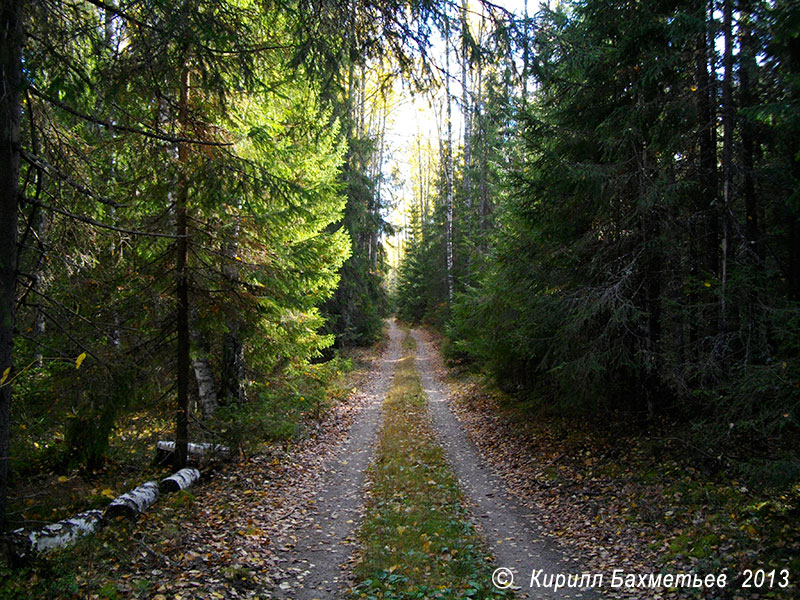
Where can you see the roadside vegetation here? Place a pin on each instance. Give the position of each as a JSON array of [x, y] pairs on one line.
[[625, 245], [289, 416], [51, 484], [620, 497]]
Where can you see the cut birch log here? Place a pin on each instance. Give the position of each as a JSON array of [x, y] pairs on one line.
[[179, 480], [164, 450], [23, 544], [132, 503]]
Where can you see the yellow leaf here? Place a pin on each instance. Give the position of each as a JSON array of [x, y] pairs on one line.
[[108, 493], [707, 284], [79, 360], [63, 479], [6, 373]]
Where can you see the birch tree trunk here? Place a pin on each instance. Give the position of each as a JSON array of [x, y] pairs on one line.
[[204, 375], [374, 231], [133, 503], [232, 384], [704, 245], [179, 480], [421, 171], [21, 544], [449, 165], [165, 449], [748, 79], [525, 55], [37, 222], [466, 108], [484, 154]]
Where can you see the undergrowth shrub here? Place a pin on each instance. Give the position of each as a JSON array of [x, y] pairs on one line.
[[281, 408]]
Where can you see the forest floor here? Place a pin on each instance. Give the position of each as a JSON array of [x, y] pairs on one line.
[[232, 536], [286, 524]]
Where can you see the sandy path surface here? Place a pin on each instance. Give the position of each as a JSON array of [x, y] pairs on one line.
[[314, 555], [317, 552], [511, 531]]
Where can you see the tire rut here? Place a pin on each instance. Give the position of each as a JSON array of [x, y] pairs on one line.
[[512, 532], [317, 551]]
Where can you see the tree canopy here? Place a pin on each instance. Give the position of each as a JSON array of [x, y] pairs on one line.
[[626, 225]]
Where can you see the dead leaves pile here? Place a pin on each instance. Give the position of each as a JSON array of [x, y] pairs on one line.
[[585, 513], [599, 504]]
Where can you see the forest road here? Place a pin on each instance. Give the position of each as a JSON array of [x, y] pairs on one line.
[[510, 531], [319, 549], [315, 554]]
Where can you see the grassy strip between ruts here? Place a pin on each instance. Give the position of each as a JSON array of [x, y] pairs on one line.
[[417, 539]]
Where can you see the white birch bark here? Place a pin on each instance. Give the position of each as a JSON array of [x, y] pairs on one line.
[[28, 543], [195, 450], [180, 480], [449, 165], [133, 503]]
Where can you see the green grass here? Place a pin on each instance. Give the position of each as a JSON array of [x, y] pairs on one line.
[[417, 539]]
